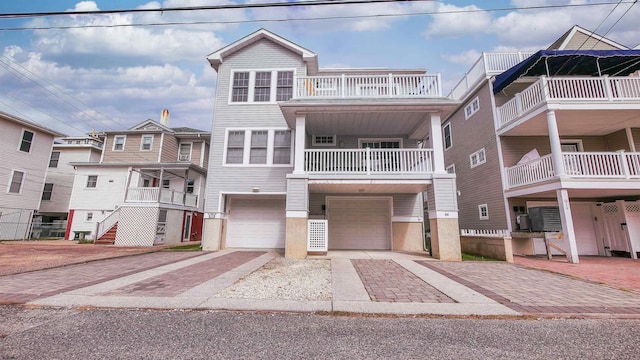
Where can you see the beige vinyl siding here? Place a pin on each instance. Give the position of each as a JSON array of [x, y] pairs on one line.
[[481, 184], [169, 149], [196, 150], [635, 132], [514, 147], [131, 152], [403, 204], [33, 164], [206, 156], [617, 141], [263, 54], [582, 41]]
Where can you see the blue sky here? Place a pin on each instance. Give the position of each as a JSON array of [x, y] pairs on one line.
[[117, 77]]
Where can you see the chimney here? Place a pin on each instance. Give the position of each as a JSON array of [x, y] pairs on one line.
[[164, 117]]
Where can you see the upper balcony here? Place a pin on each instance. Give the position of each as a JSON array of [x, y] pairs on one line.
[[573, 90], [368, 86], [487, 65]]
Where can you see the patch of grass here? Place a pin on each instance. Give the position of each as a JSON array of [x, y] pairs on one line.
[[469, 257], [85, 241], [189, 247]]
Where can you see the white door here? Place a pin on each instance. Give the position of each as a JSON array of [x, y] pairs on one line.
[[359, 223], [256, 223], [613, 227], [584, 229]]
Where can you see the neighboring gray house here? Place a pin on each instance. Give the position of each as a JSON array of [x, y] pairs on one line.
[[557, 127], [25, 148], [310, 159]]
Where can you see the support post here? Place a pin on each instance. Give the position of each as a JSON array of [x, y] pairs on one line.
[[556, 147], [437, 144], [567, 225], [299, 145]]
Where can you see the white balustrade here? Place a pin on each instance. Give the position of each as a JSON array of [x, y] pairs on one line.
[[485, 233], [190, 200], [596, 165], [107, 223], [574, 88], [367, 86], [166, 196], [368, 161], [142, 194]]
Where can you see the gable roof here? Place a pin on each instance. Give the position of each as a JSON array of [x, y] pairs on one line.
[[27, 123], [217, 57], [564, 41], [145, 125]]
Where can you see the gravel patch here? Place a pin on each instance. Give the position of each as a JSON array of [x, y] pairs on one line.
[[285, 279]]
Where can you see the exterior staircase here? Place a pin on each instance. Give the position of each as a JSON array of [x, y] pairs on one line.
[[109, 238]]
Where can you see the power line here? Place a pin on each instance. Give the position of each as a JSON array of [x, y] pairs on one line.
[[173, 23], [200, 8]]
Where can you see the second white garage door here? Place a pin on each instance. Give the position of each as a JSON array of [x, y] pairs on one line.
[[357, 223], [256, 223]]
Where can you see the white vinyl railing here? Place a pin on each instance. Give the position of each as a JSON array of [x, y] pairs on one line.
[[485, 233], [368, 86], [165, 196], [606, 165], [487, 64], [530, 172], [102, 227], [368, 161], [569, 89]]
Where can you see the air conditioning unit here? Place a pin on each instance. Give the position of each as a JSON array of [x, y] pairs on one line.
[[523, 221], [545, 218]]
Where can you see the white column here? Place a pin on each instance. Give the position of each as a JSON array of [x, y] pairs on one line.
[[299, 145], [437, 144], [632, 144], [567, 225], [556, 148]]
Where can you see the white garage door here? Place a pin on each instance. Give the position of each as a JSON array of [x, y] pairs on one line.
[[256, 223], [359, 223]]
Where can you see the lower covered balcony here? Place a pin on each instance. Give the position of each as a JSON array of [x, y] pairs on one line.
[[592, 166], [160, 195], [368, 161]]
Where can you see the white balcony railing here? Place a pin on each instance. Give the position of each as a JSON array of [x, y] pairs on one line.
[[107, 223], [368, 161], [596, 165], [487, 64], [166, 196], [569, 89], [369, 86]]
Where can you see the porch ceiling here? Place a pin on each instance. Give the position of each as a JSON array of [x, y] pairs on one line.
[[591, 194], [369, 123], [580, 123], [366, 187]]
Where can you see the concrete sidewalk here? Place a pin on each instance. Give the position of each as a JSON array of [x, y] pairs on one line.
[[377, 282]]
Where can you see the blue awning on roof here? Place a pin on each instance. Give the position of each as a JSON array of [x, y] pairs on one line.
[[571, 62]]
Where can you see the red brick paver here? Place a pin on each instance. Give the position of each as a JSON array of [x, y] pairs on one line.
[[25, 287], [178, 281], [386, 281], [533, 291], [622, 273]]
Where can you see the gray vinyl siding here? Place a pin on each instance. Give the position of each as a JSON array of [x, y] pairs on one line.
[[403, 204], [263, 54], [297, 194], [481, 184], [352, 141]]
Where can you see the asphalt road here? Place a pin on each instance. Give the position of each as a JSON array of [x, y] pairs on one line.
[[140, 334]]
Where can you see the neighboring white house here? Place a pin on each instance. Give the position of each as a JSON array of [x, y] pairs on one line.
[[146, 189], [51, 219], [546, 144], [25, 149], [310, 159]]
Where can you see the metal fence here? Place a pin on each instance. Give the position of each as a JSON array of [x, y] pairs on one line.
[[15, 223]]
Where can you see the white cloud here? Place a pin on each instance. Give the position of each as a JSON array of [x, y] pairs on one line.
[[452, 24], [465, 58]]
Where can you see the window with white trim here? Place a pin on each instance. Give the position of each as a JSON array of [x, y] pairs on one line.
[[258, 147], [17, 179], [324, 140], [89, 216], [472, 108], [26, 141], [48, 190], [92, 181], [184, 152], [190, 185], [118, 142], [477, 158], [451, 169], [483, 212], [166, 183], [53, 160], [446, 136], [146, 143], [261, 86]]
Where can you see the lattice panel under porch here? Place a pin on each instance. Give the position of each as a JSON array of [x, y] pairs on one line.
[[317, 235], [137, 226], [610, 208]]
